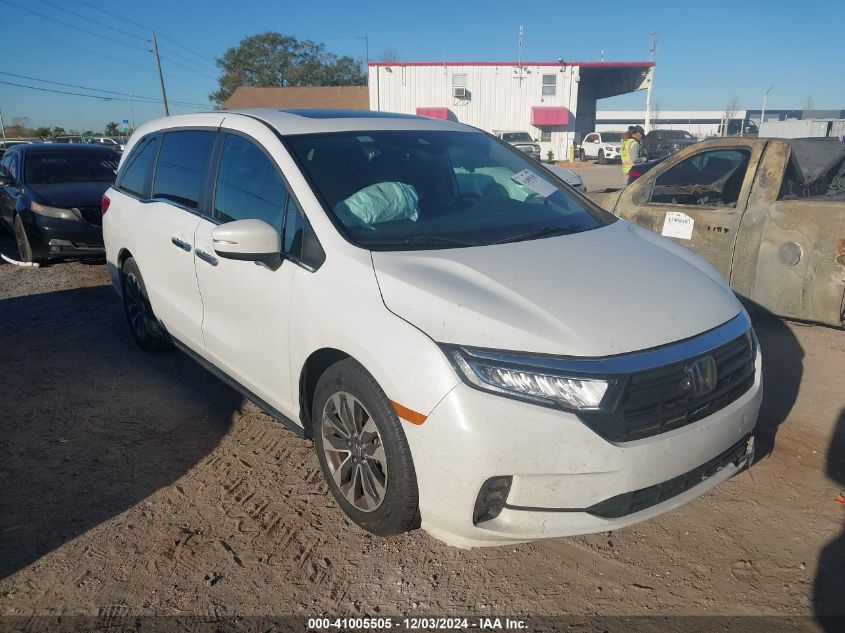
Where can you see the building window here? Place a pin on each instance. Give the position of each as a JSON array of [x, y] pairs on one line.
[[549, 85], [459, 86], [545, 135]]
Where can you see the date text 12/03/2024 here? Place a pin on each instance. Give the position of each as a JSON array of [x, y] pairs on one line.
[[417, 623]]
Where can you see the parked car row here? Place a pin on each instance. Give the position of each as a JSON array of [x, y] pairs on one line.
[[606, 147]]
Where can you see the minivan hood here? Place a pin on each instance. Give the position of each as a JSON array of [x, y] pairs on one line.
[[608, 291], [70, 194]]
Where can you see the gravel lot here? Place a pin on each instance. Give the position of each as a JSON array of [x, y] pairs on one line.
[[136, 484]]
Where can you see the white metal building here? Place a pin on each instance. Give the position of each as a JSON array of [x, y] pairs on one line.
[[555, 102]]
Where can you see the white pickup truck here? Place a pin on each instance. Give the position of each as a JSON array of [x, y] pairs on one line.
[[521, 141], [601, 146]]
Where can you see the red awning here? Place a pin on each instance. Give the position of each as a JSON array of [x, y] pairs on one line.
[[434, 113], [541, 115]]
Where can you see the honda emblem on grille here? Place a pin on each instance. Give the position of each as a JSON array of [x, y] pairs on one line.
[[702, 375]]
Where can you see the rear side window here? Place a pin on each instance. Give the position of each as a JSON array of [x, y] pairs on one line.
[[249, 185], [182, 164], [136, 173]]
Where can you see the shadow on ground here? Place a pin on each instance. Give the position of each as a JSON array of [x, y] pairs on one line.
[[829, 588], [90, 425], [783, 360]]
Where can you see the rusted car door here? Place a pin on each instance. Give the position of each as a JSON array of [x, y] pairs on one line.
[[697, 197], [790, 254]]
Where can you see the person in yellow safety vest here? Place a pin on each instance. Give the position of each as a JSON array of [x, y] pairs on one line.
[[632, 152]]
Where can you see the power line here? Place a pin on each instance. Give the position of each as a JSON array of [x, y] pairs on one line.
[[89, 19], [146, 28], [79, 94], [193, 70], [99, 54], [169, 51], [113, 92], [72, 26]]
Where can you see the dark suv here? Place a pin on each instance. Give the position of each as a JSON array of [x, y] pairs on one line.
[[659, 143]]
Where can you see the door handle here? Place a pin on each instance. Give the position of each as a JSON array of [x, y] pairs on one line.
[[206, 257], [181, 244]]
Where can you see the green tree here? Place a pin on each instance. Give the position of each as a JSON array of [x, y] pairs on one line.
[[58, 131], [112, 129], [42, 132], [273, 59]]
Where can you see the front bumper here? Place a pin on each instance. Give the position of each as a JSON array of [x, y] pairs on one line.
[[560, 468], [52, 238]]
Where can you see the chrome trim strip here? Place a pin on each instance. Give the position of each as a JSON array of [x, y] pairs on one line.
[[622, 363]]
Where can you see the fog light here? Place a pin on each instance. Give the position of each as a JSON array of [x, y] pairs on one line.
[[491, 498], [55, 249]]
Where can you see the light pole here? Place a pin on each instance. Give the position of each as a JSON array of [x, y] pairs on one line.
[[765, 96]]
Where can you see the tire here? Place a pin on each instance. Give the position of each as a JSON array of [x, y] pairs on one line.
[[22, 240], [602, 159], [363, 452], [143, 324], [581, 156]]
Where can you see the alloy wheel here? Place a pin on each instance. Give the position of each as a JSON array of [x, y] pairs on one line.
[[136, 307], [354, 451]]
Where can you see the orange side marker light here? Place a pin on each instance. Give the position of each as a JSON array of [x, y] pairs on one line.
[[408, 414]]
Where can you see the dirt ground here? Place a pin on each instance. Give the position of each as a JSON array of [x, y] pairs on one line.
[[136, 484]]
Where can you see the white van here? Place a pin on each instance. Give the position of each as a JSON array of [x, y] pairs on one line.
[[473, 346]]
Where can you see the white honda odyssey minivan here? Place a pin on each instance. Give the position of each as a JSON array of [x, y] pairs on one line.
[[473, 346]]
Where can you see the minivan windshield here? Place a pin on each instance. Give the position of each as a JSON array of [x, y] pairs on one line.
[[416, 189], [44, 168]]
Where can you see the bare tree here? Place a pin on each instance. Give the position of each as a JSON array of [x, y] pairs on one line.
[[730, 114], [390, 55], [809, 104]]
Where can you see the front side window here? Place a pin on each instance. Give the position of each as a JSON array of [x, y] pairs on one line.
[[549, 85], [407, 190], [182, 164], [55, 167], [249, 185], [710, 179], [136, 174]]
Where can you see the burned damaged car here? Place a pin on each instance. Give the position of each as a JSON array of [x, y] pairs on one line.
[[769, 214]]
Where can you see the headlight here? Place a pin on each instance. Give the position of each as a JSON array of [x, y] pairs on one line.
[[524, 377], [609, 149], [54, 212]]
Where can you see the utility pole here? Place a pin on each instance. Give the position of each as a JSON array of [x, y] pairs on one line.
[[3, 128], [763, 112], [160, 76], [366, 55], [648, 96]]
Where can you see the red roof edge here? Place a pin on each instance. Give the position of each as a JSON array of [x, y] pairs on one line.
[[587, 64]]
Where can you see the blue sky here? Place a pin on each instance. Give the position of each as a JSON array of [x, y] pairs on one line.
[[708, 52]]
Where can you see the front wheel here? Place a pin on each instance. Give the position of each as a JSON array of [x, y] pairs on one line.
[[363, 451], [22, 241], [602, 159]]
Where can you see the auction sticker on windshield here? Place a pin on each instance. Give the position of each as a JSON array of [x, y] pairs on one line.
[[528, 178], [678, 225]]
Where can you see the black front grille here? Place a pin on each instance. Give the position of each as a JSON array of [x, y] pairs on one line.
[[658, 400], [631, 502], [92, 215]]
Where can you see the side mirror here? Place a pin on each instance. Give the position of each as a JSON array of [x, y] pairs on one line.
[[248, 240], [536, 140], [6, 180]]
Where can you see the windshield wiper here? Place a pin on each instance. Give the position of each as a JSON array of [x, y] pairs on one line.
[[541, 232], [426, 240]]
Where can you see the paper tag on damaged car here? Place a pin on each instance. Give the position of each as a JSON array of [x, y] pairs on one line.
[[678, 225], [528, 178]]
